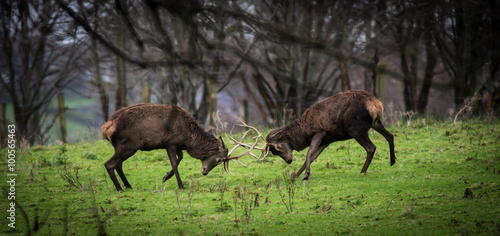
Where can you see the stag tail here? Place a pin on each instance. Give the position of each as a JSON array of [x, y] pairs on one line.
[[107, 130], [375, 108]]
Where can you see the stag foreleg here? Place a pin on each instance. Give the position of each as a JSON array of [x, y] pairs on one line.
[[314, 150], [172, 152], [171, 172], [313, 157]]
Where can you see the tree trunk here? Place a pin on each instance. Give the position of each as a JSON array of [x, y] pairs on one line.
[[429, 68], [463, 55], [339, 41], [121, 84], [212, 89], [407, 81], [103, 96]]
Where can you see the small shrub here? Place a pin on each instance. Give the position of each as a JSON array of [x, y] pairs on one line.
[[44, 162], [61, 158]]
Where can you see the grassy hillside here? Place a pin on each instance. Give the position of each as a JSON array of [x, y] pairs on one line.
[[66, 189], [82, 118]]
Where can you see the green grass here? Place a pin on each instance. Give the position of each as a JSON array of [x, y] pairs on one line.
[[422, 194]]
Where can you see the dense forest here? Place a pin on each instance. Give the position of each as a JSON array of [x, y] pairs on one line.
[[270, 59]]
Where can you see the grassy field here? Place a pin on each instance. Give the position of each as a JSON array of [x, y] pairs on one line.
[[66, 189]]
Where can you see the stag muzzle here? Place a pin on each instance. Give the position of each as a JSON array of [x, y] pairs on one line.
[[206, 169]]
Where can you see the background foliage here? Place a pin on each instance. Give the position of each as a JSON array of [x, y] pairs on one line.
[[271, 58]]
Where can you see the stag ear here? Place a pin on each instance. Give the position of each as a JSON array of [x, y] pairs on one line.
[[222, 146], [277, 146], [276, 135]]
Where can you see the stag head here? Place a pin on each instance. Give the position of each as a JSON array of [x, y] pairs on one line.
[[208, 163], [278, 146]]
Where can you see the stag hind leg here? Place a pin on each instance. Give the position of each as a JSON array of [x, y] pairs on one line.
[[119, 170], [388, 136], [115, 163], [370, 148], [171, 172], [359, 131]]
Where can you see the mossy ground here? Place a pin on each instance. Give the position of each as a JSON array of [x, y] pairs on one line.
[[423, 193]]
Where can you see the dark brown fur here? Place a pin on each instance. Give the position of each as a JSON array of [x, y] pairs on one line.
[[151, 126], [342, 116]]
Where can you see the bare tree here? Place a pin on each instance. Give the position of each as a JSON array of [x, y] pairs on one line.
[[465, 42], [286, 54], [39, 55]]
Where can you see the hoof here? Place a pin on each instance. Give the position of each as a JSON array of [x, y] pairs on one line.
[[306, 177], [167, 176]]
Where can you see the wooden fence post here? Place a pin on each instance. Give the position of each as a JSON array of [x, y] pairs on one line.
[[245, 111], [62, 116], [146, 92], [382, 82]]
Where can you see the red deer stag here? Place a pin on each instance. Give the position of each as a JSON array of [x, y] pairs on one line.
[[342, 116], [151, 126]]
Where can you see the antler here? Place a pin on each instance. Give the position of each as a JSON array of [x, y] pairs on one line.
[[255, 145]]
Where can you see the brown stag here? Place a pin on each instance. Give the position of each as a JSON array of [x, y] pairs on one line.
[[342, 116], [151, 126]]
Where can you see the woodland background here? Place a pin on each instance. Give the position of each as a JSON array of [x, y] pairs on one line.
[[265, 61]]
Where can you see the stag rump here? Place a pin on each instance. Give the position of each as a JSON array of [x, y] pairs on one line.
[[151, 126], [342, 116]]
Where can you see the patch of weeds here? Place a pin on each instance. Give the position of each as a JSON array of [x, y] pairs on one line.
[[44, 162], [224, 207], [184, 202], [60, 158], [409, 212], [247, 202], [287, 197], [323, 208], [71, 176], [89, 156]]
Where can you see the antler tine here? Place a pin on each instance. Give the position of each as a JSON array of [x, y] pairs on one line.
[[238, 143], [264, 150], [250, 146], [234, 158]]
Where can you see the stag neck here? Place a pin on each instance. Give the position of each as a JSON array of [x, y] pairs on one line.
[[202, 145], [294, 134]]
